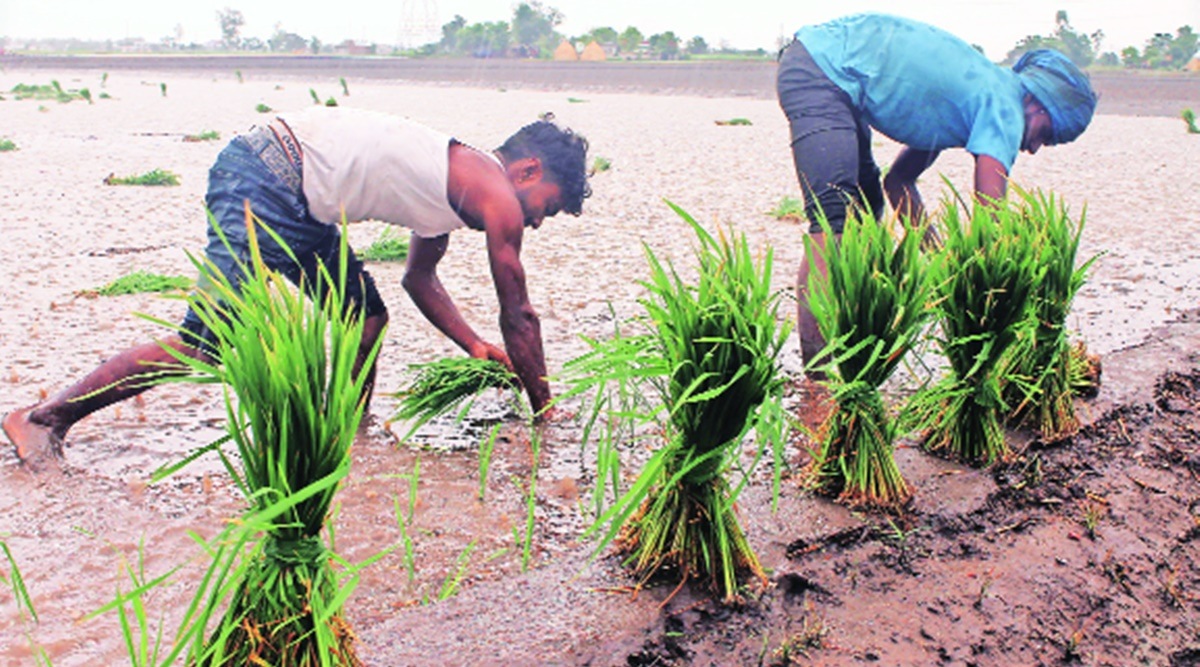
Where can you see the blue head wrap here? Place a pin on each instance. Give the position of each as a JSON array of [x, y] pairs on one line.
[[1065, 92]]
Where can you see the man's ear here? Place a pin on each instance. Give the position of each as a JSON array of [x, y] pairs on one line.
[[529, 171]]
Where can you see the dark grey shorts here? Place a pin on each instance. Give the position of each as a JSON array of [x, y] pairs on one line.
[[831, 142]]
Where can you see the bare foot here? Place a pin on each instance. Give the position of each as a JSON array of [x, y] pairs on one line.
[[35, 444]]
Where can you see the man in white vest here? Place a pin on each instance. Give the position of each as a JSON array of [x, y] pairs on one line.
[[300, 174]]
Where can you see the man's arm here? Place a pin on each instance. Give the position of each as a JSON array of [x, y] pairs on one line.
[[425, 289], [991, 179], [900, 184], [519, 323]]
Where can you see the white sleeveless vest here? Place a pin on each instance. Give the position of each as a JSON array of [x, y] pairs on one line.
[[376, 166]]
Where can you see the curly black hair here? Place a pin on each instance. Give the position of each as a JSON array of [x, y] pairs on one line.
[[563, 155]]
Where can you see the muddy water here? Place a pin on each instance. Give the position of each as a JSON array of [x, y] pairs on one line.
[[74, 534]]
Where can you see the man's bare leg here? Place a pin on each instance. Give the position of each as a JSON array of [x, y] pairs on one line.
[[37, 431]]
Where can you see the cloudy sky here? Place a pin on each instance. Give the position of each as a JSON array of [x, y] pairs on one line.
[[995, 25]]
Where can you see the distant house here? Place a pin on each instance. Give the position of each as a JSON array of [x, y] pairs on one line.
[[566, 51], [594, 52]]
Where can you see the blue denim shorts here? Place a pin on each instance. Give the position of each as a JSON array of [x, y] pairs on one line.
[[254, 168]]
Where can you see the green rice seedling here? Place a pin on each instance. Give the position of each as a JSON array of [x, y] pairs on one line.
[[238, 73], [988, 276], [789, 208], [599, 164], [575, 100], [104, 80], [440, 386], [162, 87], [142, 282], [86, 95], [1189, 117], [105, 96], [262, 108], [455, 577], [871, 306], [7, 145], [315, 97], [485, 459], [154, 177], [707, 361], [206, 135], [14, 582], [331, 102], [1043, 365], [345, 88], [734, 121]]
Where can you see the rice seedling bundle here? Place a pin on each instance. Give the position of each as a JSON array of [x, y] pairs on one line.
[[1046, 370], [987, 277], [291, 363], [441, 386], [708, 357], [871, 306]]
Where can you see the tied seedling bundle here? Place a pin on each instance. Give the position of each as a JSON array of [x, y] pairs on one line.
[[706, 362], [1046, 371], [988, 274], [293, 365], [871, 306], [440, 386]]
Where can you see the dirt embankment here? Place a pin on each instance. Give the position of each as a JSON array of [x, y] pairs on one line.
[[1123, 93]]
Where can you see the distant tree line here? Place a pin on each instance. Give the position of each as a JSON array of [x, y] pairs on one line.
[[1162, 51], [533, 33]]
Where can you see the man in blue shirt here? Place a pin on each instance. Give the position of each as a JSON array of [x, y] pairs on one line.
[[926, 89]]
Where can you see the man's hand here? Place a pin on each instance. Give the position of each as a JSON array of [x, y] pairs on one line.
[[484, 350]]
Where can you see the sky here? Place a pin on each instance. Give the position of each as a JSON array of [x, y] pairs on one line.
[[996, 25]]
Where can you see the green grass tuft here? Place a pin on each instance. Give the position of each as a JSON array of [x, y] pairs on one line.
[[1189, 117], [155, 177], [600, 163], [7, 145], [262, 108], [734, 121], [789, 208], [389, 247], [141, 282], [206, 135]]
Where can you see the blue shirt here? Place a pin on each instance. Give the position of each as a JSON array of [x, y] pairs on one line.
[[920, 85]]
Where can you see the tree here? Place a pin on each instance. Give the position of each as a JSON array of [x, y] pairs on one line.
[[697, 46], [450, 34], [605, 35], [533, 25], [1077, 46], [1130, 57], [664, 45], [1183, 47], [286, 42], [231, 21], [629, 40]]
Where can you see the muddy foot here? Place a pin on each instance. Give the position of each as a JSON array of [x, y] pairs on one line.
[[37, 446]]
